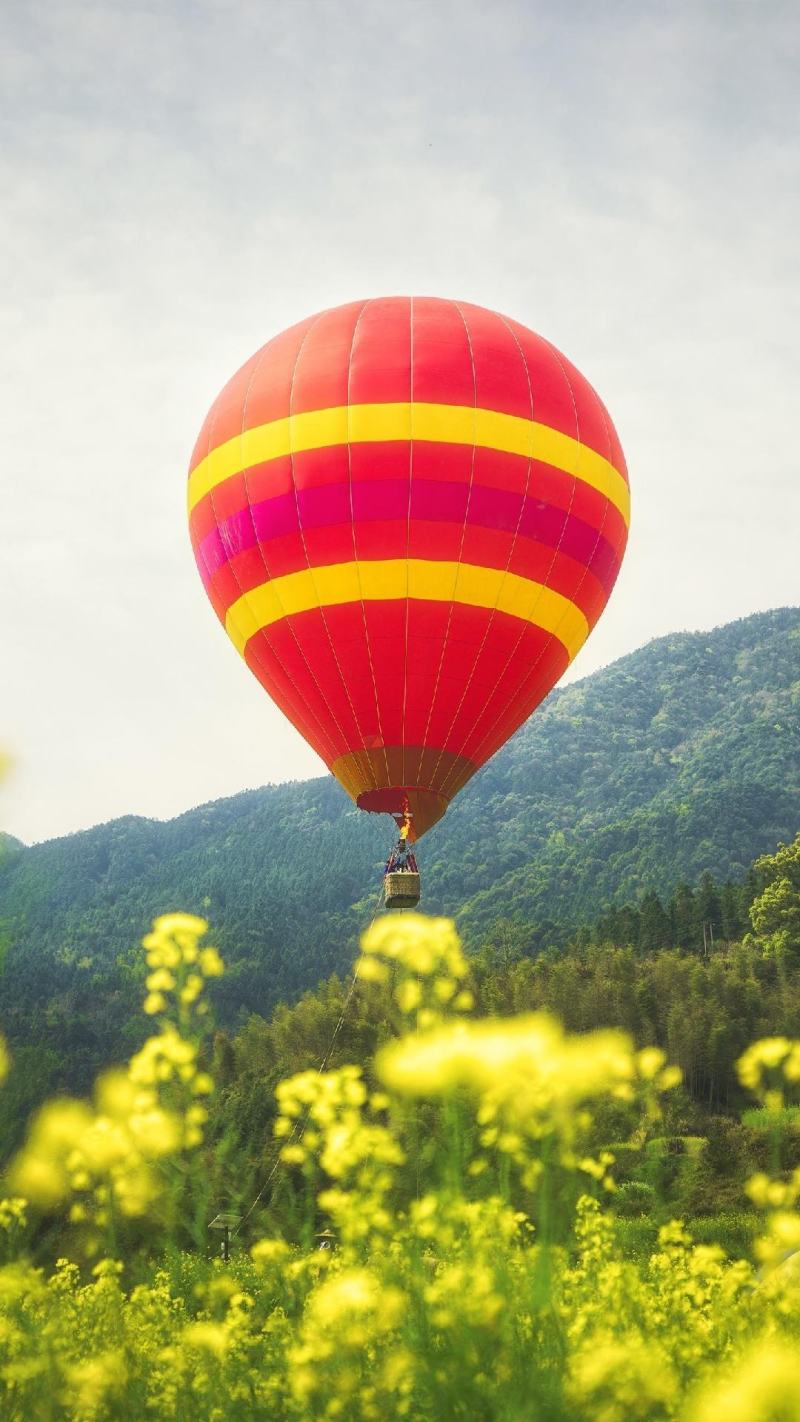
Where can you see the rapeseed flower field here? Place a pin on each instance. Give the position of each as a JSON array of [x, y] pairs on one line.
[[492, 1284]]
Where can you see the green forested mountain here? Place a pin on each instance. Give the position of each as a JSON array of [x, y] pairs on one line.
[[681, 758]]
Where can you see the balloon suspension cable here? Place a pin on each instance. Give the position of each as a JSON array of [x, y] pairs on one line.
[[302, 1121]]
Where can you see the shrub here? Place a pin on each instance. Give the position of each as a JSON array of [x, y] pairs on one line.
[[509, 1279]]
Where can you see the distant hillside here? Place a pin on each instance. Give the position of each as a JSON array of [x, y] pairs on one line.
[[680, 758]]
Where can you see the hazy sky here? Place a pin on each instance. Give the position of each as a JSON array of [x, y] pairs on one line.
[[179, 181]]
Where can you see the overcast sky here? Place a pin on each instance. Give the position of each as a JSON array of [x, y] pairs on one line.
[[179, 180]]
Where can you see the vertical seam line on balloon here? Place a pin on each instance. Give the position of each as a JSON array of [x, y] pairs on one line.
[[307, 710], [461, 546], [408, 528], [308, 719], [522, 633], [487, 735], [526, 368], [325, 736], [520, 516], [342, 678], [545, 583], [211, 420], [289, 624], [599, 534], [599, 531], [355, 553]]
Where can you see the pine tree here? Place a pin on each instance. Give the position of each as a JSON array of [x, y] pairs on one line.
[[654, 925], [733, 923], [709, 909], [683, 913]]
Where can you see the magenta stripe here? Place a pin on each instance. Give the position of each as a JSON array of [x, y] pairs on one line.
[[432, 501]]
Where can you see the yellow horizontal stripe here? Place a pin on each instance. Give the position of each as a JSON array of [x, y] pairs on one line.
[[439, 424], [401, 577]]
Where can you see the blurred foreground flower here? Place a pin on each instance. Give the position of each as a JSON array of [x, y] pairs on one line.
[[764, 1386], [532, 1080], [442, 1297], [104, 1157], [423, 959]]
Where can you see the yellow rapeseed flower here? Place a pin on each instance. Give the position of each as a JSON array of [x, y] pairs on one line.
[[424, 945], [768, 1065], [408, 995], [208, 1337], [356, 1292], [92, 1382], [172, 924], [269, 1252], [371, 970], [211, 965], [116, 1095], [528, 1051], [763, 1387], [623, 1379], [162, 980], [39, 1173], [12, 1213], [155, 1132]]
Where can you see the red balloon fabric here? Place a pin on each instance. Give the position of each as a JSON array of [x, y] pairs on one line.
[[408, 513]]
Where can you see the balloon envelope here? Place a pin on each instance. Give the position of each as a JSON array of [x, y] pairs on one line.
[[408, 513]]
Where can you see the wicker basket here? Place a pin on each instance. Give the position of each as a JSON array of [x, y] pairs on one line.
[[401, 890]]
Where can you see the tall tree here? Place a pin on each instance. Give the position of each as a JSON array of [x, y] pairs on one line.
[[655, 928]]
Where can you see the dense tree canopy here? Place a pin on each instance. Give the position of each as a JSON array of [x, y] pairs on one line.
[[677, 762]]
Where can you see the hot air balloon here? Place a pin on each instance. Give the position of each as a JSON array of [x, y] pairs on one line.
[[408, 513]]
